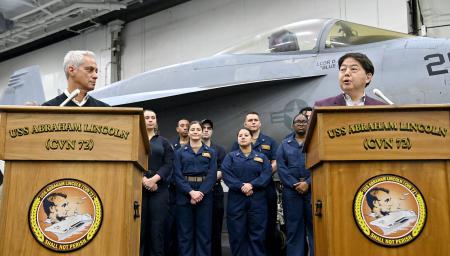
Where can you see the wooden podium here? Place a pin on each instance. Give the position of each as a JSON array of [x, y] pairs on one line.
[[381, 177], [72, 180]]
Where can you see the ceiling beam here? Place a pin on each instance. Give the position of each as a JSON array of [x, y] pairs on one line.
[[36, 9], [136, 9]]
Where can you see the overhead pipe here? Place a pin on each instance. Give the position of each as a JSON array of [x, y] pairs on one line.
[[39, 29], [47, 33], [65, 13], [37, 9]]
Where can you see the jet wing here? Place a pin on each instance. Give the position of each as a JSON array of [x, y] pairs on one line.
[[146, 96], [190, 92], [212, 76]]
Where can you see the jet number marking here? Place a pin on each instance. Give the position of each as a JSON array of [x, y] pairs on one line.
[[439, 61]]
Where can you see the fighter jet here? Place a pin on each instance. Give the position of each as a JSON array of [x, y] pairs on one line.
[[283, 70]]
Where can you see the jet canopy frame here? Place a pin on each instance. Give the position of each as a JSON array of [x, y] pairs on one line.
[[305, 37]]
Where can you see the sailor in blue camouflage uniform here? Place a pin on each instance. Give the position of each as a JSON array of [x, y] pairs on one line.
[[247, 173], [296, 181], [195, 168], [266, 145]]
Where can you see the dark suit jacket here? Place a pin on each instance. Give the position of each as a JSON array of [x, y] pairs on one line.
[[91, 102], [340, 101]]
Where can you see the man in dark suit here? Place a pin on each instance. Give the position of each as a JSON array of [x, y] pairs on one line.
[[355, 73], [81, 73]]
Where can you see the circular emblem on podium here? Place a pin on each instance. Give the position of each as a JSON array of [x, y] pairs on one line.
[[65, 215], [389, 210]]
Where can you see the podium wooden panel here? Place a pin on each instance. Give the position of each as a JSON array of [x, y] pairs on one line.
[[110, 153], [409, 141]]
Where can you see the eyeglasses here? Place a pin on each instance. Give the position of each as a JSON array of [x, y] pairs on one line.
[[300, 122]]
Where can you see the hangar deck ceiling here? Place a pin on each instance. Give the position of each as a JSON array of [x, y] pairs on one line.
[[27, 25]]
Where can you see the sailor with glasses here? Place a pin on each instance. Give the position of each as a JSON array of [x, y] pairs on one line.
[[296, 181]]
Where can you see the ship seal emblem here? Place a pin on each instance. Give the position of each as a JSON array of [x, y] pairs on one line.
[[65, 215], [389, 210]]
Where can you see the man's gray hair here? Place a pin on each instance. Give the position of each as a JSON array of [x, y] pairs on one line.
[[75, 58]]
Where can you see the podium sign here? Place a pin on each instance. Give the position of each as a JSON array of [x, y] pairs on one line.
[[380, 179], [72, 180]]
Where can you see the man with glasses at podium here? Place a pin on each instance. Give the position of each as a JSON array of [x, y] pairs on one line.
[[81, 72]]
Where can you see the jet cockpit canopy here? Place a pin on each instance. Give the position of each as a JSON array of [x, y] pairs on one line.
[[305, 36]]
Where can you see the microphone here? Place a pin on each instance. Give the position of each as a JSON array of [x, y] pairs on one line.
[[71, 96], [381, 96]]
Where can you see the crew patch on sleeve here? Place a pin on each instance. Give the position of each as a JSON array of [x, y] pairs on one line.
[[265, 147]]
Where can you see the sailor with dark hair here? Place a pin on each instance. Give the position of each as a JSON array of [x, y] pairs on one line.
[[170, 236], [296, 181], [182, 131], [81, 73], [218, 206], [195, 167], [307, 111], [247, 173], [264, 144], [155, 192]]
